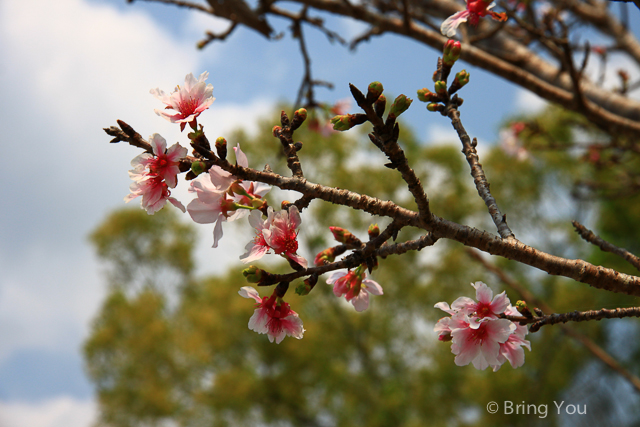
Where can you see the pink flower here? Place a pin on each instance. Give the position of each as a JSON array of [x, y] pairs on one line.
[[153, 175], [279, 232], [485, 307], [477, 332], [215, 201], [188, 101], [478, 345], [354, 286], [162, 162], [512, 350], [511, 142], [153, 189], [474, 11], [273, 316]]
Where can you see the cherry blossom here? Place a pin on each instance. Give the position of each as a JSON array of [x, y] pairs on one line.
[[216, 202], [187, 102], [162, 162], [355, 287], [153, 175], [273, 316], [475, 10], [485, 307], [479, 333], [153, 189], [479, 345], [511, 349], [278, 232]]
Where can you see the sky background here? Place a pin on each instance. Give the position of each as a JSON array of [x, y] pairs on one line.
[[72, 67]]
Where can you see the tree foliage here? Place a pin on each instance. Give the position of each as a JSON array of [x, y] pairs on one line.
[[184, 356]]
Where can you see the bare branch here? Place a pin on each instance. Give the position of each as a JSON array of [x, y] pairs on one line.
[[592, 238]]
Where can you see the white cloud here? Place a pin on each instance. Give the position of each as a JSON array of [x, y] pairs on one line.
[[528, 102], [58, 412], [70, 68]]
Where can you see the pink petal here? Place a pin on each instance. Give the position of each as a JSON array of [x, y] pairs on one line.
[[203, 213], [177, 204], [449, 26], [217, 231], [445, 307], [250, 292], [335, 276], [158, 144], [299, 259], [483, 292], [253, 253], [361, 302], [372, 287], [241, 158]]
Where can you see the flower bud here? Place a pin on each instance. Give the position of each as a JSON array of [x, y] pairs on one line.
[[425, 95], [345, 236], [373, 231], [305, 287], [325, 257], [462, 78], [375, 90], [451, 52], [198, 167], [253, 274], [379, 105], [299, 116], [399, 106], [221, 147], [236, 188], [433, 107], [276, 131], [342, 122], [441, 87]]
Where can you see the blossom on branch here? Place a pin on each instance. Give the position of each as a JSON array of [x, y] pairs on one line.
[[273, 316], [222, 197], [279, 232], [153, 175], [475, 10], [478, 333], [187, 102], [162, 162], [355, 287]]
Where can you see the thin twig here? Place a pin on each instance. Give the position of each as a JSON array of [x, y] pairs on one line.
[[582, 316], [592, 238], [479, 178]]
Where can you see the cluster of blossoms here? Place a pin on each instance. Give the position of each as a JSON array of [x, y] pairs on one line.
[[153, 175], [279, 232], [222, 197], [477, 332]]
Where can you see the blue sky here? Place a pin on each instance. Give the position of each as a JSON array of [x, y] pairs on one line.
[[72, 67]]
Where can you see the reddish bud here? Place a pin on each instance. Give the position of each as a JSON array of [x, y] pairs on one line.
[[325, 257], [374, 91], [373, 231], [399, 106]]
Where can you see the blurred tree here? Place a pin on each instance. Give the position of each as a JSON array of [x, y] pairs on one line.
[[195, 363]]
